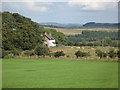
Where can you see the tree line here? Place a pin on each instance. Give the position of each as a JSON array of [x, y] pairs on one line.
[[94, 38]]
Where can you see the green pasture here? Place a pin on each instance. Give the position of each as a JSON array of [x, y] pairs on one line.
[[56, 73]]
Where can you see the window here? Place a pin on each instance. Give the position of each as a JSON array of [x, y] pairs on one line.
[[53, 42]]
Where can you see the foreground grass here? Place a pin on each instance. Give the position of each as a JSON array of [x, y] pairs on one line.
[[43, 73]]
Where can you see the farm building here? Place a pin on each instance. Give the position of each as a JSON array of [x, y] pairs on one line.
[[49, 40]]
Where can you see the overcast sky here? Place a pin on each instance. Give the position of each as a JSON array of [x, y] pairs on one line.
[[65, 12]]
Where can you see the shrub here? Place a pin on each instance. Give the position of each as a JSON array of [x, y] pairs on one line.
[[104, 54], [112, 53], [81, 54], [100, 53], [118, 53], [59, 53], [29, 53], [50, 54], [90, 44], [16, 52], [68, 56], [41, 50], [9, 55], [6, 53], [71, 43]]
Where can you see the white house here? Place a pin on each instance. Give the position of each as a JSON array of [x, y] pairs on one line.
[[49, 40]]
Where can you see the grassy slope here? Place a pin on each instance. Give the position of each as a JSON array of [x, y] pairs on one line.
[[43, 73]]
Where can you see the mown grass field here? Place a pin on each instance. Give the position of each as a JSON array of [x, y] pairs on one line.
[[59, 73]]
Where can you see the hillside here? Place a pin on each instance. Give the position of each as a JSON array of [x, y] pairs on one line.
[[54, 24], [19, 32], [100, 25], [77, 25]]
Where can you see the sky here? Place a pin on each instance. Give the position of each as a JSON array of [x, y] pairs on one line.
[[65, 12]]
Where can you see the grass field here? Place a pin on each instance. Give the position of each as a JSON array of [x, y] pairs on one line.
[[70, 50], [79, 30], [56, 73]]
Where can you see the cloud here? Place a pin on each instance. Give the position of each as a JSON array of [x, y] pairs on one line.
[[93, 5], [31, 6], [35, 1]]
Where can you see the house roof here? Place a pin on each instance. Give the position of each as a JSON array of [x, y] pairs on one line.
[[49, 37]]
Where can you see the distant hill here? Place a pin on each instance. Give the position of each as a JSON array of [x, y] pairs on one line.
[[72, 25], [100, 25], [54, 24]]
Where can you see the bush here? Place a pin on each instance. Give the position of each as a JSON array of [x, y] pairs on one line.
[[29, 53], [68, 56], [81, 54], [100, 53], [71, 43], [9, 55], [16, 52], [6, 53], [112, 53], [41, 50], [118, 53], [90, 44], [59, 53], [104, 54], [50, 54]]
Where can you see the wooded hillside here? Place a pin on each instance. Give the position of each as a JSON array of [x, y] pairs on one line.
[[19, 32]]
